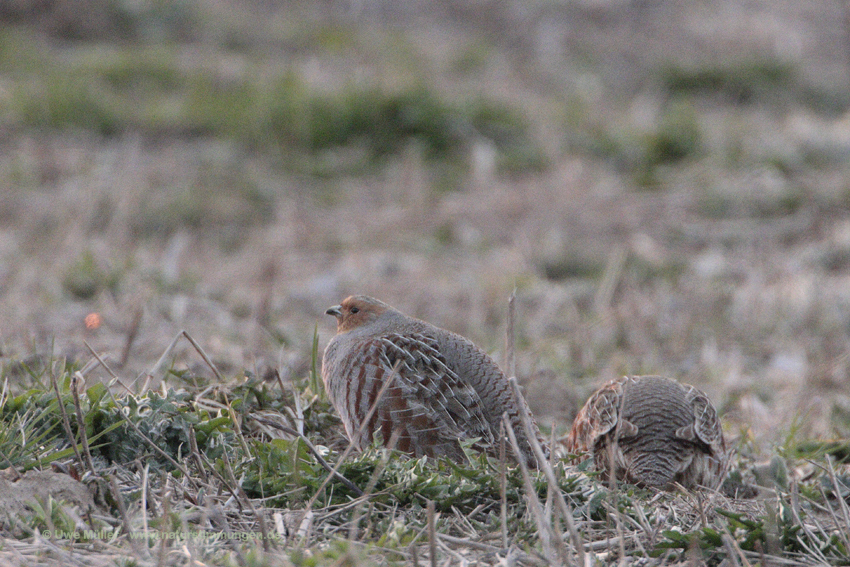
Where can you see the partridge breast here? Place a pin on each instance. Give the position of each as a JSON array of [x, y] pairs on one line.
[[651, 431]]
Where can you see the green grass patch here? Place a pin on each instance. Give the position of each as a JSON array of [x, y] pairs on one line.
[[149, 89], [751, 82], [202, 443], [85, 277], [743, 82], [571, 266], [222, 201], [677, 136]]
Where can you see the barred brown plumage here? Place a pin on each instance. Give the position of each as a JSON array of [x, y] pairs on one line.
[[444, 388], [653, 430]]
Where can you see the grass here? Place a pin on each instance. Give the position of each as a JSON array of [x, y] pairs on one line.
[[84, 278], [743, 82], [233, 470], [642, 152], [148, 89], [112, 149]]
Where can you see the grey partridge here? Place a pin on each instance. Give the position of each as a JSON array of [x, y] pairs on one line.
[[444, 388], [653, 431]]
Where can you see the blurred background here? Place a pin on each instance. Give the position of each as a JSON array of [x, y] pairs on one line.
[[665, 184]]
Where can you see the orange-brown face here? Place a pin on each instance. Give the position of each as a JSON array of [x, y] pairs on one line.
[[356, 310]]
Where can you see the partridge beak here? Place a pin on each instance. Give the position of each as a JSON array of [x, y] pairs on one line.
[[336, 311]]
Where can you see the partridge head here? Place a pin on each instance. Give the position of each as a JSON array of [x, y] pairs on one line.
[[651, 431], [442, 388]]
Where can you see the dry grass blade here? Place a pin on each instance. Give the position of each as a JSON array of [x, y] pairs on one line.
[[165, 498], [487, 548], [842, 504], [76, 381], [732, 551], [66, 423], [237, 427], [546, 468], [160, 362], [795, 511], [203, 355], [542, 461], [122, 509], [164, 357], [106, 366], [432, 533], [510, 353], [144, 500], [544, 532], [610, 278], [373, 481], [132, 333], [196, 456], [824, 536], [237, 489], [503, 485], [613, 508]]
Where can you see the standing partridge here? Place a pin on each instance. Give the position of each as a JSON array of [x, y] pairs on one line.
[[653, 431], [444, 388]]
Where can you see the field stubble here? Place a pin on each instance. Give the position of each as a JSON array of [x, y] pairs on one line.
[[688, 220]]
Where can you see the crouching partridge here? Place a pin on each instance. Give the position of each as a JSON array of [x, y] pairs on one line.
[[444, 388], [652, 431]]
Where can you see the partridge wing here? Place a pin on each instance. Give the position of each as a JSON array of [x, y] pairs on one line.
[[708, 467], [433, 393], [477, 369], [598, 417], [706, 423]]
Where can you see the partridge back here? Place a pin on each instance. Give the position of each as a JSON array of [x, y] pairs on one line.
[[651, 431]]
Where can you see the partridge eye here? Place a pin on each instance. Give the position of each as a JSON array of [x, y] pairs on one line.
[[354, 310]]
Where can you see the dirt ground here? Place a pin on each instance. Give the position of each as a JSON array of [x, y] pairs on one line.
[[731, 272]]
